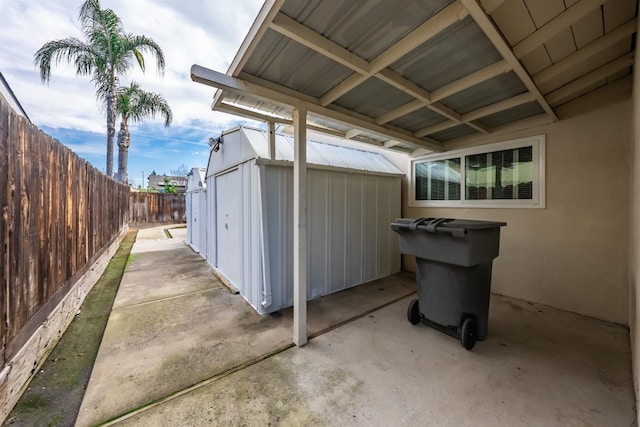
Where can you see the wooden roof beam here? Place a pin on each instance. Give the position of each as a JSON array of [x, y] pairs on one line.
[[490, 6], [452, 88], [474, 124], [555, 26], [429, 130], [250, 114], [469, 118], [575, 88], [499, 106], [592, 49], [390, 143], [440, 21], [352, 133], [307, 37], [494, 35], [284, 96], [312, 40], [266, 14]]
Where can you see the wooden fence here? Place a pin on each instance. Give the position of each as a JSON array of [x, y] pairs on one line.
[[58, 215], [156, 207]]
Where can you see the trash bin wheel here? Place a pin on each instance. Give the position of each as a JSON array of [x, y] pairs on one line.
[[413, 312], [468, 333]]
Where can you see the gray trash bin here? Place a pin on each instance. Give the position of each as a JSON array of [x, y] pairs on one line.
[[453, 273]]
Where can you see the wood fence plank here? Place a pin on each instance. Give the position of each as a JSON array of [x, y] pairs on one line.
[[4, 235], [58, 214]]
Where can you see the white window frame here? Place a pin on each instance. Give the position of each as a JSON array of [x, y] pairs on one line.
[[538, 200]]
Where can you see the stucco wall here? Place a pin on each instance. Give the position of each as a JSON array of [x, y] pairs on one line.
[[634, 226], [573, 254]]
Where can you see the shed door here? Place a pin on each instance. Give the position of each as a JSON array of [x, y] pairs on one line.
[[228, 226], [195, 220]]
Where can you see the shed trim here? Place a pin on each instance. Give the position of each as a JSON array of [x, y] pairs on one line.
[[289, 164]]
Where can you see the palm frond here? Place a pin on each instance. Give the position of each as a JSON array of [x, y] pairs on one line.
[[144, 44], [136, 104], [70, 50]]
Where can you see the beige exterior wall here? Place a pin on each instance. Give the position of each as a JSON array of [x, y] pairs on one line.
[[573, 254], [634, 225]]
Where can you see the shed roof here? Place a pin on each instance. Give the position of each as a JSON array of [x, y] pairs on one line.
[[196, 179], [428, 72], [319, 153]]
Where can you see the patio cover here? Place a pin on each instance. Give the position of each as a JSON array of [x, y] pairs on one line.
[[414, 75]]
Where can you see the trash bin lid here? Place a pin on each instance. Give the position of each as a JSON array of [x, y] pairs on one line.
[[451, 225]]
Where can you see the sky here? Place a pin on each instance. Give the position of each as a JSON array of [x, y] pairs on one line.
[[203, 32]]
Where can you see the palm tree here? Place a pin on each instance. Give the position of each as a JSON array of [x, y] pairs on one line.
[[106, 54], [133, 105]]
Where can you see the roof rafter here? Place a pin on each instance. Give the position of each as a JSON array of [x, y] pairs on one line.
[[465, 82], [555, 26], [573, 89], [478, 114], [494, 35], [317, 42], [307, 37], [266, 14], [490, 6], [250, 114], [590, 50], [288, 97], [440, 21]]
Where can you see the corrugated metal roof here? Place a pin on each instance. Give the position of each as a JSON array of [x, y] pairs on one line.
[[512, 114], [454, 53], [486, 93], [320, 153], [345, 22], [422, 72]]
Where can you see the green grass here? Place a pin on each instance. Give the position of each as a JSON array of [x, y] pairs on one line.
[[55, 394]]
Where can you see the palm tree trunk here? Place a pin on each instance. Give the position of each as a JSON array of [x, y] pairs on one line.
[[124, 141], [111, 128]]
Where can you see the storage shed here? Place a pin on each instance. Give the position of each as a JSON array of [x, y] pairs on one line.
[[196, 203], [353, 196]]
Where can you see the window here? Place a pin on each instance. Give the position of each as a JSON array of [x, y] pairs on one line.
[[507, 174]]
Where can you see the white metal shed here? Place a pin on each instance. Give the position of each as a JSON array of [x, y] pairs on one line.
[[196, 203], [353, 196]]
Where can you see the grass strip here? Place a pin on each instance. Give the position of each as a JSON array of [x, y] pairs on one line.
[[55, 394]]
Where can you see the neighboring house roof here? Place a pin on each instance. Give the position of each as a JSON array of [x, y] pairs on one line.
[[157, 181], [418, 76], [7, 94]]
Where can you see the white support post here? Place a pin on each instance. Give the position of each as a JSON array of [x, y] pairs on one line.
[[300, 227], [272, 141]]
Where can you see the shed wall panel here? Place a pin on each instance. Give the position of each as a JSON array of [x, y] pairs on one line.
[[254, 249], [338, 231]]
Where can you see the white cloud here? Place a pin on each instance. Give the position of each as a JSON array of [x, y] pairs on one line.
[[206, 33]]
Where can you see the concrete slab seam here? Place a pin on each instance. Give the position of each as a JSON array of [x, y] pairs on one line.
[[242, 366], [170, 298], [195, 261], [359, 316], [194, 387]]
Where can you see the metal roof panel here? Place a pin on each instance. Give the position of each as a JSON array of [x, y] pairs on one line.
[[454, 132], [373, 98], [486, 93], [290, 64], [348, 23], [456, 52], [418, 119], [516, 113]]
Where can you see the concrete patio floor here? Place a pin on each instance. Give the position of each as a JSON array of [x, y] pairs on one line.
[[180, 349]]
